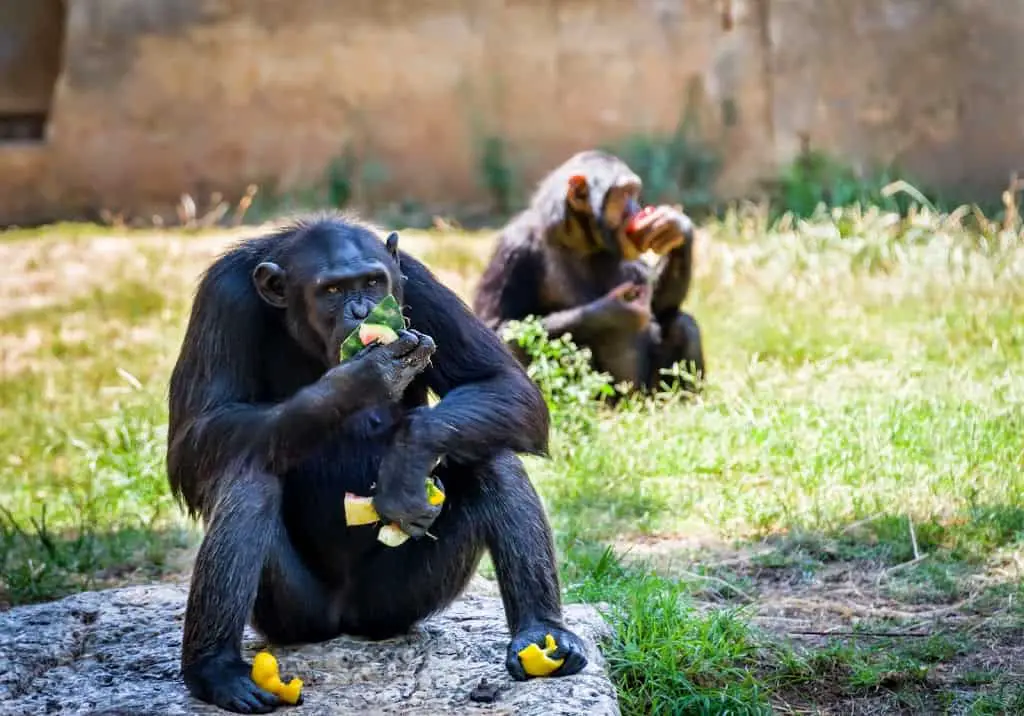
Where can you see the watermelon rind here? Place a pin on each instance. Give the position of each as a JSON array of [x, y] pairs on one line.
[[387, 313]]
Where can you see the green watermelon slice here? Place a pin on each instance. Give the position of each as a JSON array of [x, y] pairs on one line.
[[383, 324]]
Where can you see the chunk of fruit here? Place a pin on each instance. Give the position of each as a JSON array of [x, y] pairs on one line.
[[359, 510], [265, 675], [637, 218], [537, 661], [386, 314], [370, 332], [392, 535], [435, 496]]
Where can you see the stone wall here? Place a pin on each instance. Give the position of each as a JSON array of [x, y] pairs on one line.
[[933, 84], [160, 97]]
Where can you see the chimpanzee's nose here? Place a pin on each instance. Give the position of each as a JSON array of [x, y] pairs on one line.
[[360, 310]]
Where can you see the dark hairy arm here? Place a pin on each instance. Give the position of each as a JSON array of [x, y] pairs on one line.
[[217, 417], [510, 291], [672, 278], [488, 404]]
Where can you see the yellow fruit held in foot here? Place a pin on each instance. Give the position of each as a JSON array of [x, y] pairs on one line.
[[359, 510], [537, 661], [265, 675]]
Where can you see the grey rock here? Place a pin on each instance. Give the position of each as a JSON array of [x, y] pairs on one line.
[[115, 652]]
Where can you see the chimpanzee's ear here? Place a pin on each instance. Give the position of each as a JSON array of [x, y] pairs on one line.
[[270, 284], [392, 243], [578, 194]]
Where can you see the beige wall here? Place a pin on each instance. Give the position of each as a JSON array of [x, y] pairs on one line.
[[167, 96], [934, 84]]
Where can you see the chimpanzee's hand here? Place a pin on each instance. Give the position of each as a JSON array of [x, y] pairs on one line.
[[381, 373], [628, 305], [401, 495], [663, 229]]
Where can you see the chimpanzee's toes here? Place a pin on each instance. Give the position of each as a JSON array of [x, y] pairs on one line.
[[227, 684]]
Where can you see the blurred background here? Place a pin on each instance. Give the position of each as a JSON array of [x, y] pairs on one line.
[[411, 109]]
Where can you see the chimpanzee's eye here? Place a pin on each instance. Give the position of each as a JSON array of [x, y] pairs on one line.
[[372, 282], [332, 289]]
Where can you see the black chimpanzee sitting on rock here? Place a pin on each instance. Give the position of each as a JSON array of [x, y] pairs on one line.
[[572, 259], [268, 431]]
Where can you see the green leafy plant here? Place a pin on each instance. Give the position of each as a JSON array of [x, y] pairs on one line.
[[815, 182], [564, 374]]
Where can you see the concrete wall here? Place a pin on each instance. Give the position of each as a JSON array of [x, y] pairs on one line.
[[934, 84], [165, 96], [31, 37]]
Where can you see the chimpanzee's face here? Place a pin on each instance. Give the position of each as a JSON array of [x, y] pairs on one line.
[[327, 284], [621, 202]]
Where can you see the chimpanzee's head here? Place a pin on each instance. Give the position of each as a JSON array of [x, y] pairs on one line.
[[593, 195], [326, 277]]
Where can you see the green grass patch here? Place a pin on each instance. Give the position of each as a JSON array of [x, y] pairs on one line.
[[863, 411]]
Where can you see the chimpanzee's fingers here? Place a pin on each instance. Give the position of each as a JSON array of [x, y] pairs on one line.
[[407, 341], [422, 352], [416, 528], [667, 238], [621, 290]]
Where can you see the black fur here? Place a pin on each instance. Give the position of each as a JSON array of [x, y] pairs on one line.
[[547, 265], [266, 437]]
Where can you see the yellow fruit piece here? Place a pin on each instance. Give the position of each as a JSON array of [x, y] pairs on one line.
[[435, 496], [265, 675], [264, 669], [392, 535], [359, 510], [290, 692], [537, 661]]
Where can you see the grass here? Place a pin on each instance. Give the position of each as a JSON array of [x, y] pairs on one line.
[[837, 526]]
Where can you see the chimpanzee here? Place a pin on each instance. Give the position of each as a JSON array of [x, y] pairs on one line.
[[572, 260], [268, 431]]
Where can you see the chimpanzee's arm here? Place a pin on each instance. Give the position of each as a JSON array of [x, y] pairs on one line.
[[488, 403], [268, 437], [510, 291], [216, 417], [672, 280]]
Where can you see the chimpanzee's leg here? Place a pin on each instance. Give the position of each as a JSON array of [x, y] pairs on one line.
[[520, 543], [680, 339], [493, 507], [680, 343], [244, 539]]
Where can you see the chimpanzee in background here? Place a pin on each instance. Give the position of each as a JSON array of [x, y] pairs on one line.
[[268, 432], [569, 260]]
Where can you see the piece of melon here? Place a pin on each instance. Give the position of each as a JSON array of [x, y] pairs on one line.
[[537, 661], [435, 496], [265, 675], [392, 535], [370, 332], [359, 510], [386, 314]]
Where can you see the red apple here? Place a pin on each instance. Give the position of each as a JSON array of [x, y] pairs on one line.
[[637, 217]]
